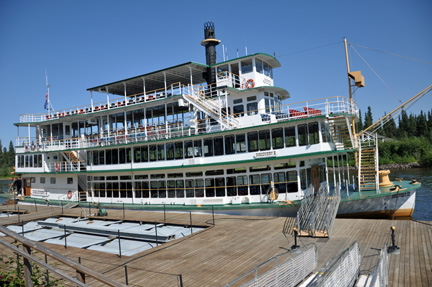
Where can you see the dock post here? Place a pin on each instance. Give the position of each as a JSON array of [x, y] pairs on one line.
[[393, 249], [157, 240], [213, 214], [126, 275], [46, 274], [190, 216], [79, 275], [27, 268], [295, 246], [118, 236], [64, 228], [180, 279], [123, 213]]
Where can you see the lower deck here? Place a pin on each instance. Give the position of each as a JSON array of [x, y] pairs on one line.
[[237, 244]]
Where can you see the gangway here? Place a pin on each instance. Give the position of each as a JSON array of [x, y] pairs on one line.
[[317, 212]]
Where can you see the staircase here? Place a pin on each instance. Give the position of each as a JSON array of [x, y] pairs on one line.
[[71, 158], [368, 164], [340, 129], [82, 188], [197, 97], [317, 212]]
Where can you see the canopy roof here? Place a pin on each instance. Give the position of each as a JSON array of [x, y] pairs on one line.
[[155, 80]]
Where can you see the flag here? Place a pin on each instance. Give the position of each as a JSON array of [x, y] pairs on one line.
[[46, 106]]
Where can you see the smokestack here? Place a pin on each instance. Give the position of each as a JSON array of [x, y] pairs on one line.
[[210, 43]]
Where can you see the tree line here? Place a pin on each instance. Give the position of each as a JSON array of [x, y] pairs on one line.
[[410, 140], [7, 160]]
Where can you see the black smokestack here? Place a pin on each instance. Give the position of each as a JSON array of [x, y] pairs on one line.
[[210, 43]]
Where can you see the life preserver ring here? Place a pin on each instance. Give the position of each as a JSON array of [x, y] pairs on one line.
[[57, 166], [250, 84], [69, 194]]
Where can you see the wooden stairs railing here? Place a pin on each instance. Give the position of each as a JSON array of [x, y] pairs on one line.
[[341, 132]]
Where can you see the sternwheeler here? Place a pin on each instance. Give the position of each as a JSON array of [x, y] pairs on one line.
[[194, 136]]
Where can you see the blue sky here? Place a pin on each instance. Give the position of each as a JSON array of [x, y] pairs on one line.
[[83, 44]]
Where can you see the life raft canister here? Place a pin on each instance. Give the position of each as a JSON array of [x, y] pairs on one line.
[[250, 84]]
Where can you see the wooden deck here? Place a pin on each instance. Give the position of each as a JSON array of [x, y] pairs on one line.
[[237, 244]]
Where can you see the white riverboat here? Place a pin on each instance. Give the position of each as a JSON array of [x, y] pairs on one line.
[[197, 135]]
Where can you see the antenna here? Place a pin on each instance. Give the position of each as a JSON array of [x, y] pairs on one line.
[[48, 106], [223, 52]]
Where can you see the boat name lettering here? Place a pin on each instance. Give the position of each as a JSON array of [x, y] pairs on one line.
[[39, 192], [265, 154], [267, 81]]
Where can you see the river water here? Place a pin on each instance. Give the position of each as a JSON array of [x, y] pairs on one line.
[[423, 206]]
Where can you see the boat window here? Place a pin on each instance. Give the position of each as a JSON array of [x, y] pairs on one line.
[[229, 144], [240, 143], [171, 188], [145, 189], [302, 163], [125, 177], [208, 147], [137, 154], [214, 172], [129, 155], [265, 182], [199, 187], [95, 158], [264, 140], [220, 186], [162, 189], [246, 66], [302, 135], [250, 99], [112, 177], [285, 165], [259, 66], [237, 101], [236, 170], [197, 148], [218, 146], [252, 108], [255, 181], [252, 142], [303, 180], [180, 189], [190, 185], [101, 157], [169, 151], [267, 105], [325, 132], [222, 71], [292, 185], [179, 150], [209, 187], [42, 180], [174, 175], [154, 189], [142, 176], [138, 190], [290, 137], [114, 155], [123, 189], [122, 155], [188, 149], [231, 188], [313, 133], [144, 153], [194, 174], [277, 138], [161, 152], [259, 168], [154, 176], [268, 71], [238, 110], [280, 182], [152, 150], [52, 180], [242, 185]]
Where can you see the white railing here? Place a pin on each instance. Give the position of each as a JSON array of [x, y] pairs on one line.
[[380, 275], [287, 269], [341, 271], [65, 166], [174, 89]]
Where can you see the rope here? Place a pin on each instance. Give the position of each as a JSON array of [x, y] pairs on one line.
[[392, 54], [376, 74], [309, 49]]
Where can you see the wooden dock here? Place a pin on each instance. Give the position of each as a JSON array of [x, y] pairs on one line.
[[237, 244]]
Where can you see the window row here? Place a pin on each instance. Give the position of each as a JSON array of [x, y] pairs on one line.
[[264, 140], [241, 185], [31, 160]]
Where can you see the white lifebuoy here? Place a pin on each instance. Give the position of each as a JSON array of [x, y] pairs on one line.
[[57, 166], [250, 84], [69, 194]]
